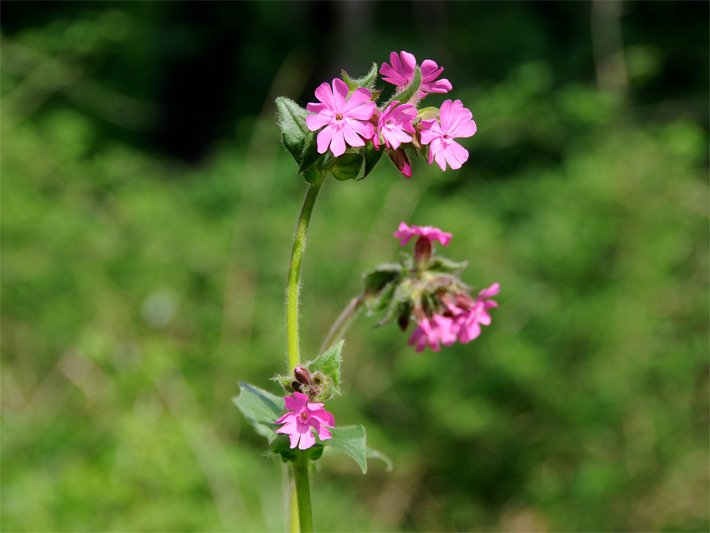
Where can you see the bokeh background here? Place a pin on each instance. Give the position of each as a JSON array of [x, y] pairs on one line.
[[147, 211]]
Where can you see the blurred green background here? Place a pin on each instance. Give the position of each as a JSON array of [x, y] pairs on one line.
[[147, 211]]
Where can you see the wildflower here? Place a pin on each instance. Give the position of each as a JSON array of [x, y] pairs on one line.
[[454, 121], [433, 332], [473, 315], [429, 233], [346, 118], [301, 418], [401, 73], [394, 125]]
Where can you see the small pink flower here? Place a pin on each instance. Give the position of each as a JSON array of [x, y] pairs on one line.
[[469, 320], [454, 121], [301, 418], [395, 125], [430, 233], [433, 332], [401, 73], [346, 118]]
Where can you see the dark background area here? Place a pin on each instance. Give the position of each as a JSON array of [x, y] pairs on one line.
[[147, 212]]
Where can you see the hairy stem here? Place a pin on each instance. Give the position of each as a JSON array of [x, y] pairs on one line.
[[303, 491], [342, 323], [294, 273], [300, 517]]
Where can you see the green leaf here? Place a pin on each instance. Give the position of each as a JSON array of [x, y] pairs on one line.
[[367, 81], [347, 166], [377, 279], [310, 151], [260, 408], [371, 453], [292, 121], [350, 440], [409, 91], [313, 174], [329, 364], [372, 157]]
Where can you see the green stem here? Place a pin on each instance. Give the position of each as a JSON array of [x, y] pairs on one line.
[[294, 273], [300, 501], [303, 490], [342, 323]]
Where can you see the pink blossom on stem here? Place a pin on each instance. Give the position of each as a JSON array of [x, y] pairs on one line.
[[394, 125], [455, 121], [400, 72], [469, 321], [301, 418], [406, 232], [346, 118]]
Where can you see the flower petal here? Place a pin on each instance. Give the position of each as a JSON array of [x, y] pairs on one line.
[[323, 139]]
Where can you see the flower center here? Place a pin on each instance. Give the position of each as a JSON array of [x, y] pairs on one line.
[[304, 416], [338, 116]]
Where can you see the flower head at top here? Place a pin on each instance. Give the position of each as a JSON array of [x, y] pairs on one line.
[[394, 125], [405, 232], [303, 417], [400, 71], [345, 117], [454, 121]]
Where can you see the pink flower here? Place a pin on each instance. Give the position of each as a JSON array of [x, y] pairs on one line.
[[401, 73], [433, 332], [301, 418], [454, 121], [469, 320], [345, 117], [430, 233], [395, 125]]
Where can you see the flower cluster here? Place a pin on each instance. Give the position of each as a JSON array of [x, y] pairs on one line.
[[302, 419], [346, 116], [426, 288], [460, 320]]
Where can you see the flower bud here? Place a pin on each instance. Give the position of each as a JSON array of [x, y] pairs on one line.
[[302, 375]]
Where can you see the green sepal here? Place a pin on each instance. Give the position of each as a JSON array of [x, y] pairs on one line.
[[428, 113], [260, 408], [285, 381], [367, 81], [328, 363], [442, 264], [409, 91], [347, 166], [292, 122], [350, 440], [372, 157], [282, 446]]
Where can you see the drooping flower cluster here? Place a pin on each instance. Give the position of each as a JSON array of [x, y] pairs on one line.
[[302, 419], [427, 289], [346, 116], [449, 314], [460, 320]]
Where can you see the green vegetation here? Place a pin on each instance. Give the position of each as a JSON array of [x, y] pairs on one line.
[[138, 291]]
